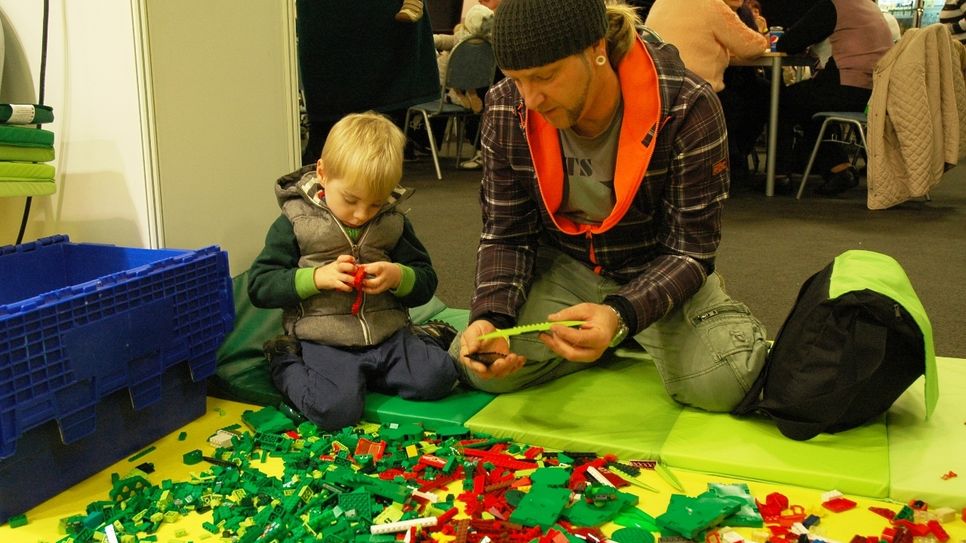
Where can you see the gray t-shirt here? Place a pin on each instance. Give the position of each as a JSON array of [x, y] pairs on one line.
[[589, 164]]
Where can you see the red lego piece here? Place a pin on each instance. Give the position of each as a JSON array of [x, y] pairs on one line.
[[938, 531], [902, 535], [532, 452], [357, 281], [462, 529], [432, 461], [441, 481], [837, 505], [917, 530], [443, 519], [499, 459], [374, 448], [883, 512]]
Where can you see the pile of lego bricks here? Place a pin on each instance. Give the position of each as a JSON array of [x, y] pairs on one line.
[[391, 482]]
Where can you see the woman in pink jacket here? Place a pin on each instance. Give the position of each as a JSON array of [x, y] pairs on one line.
[[707, 34]]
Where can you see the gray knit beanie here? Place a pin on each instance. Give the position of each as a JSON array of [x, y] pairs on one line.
[[531, 33]]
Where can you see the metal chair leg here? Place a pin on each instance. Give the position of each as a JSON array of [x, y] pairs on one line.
[[432, 145], [811, 159]]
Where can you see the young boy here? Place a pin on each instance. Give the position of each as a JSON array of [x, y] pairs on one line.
[[344, 263]]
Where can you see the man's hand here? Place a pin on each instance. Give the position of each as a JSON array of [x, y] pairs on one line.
[[381, 276], [470, 344], [336, 275], [584, 344]]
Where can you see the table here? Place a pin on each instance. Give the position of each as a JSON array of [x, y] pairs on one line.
[[775, 61]]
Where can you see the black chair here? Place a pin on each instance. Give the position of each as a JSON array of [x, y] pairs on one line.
[[472, 65]]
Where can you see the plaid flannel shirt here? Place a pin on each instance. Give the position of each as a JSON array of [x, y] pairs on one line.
[[664, 246]]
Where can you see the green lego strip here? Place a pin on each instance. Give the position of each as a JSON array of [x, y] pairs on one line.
[[141, 454], [527, 329]]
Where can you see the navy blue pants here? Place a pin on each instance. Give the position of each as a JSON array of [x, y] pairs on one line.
[[329, 385]]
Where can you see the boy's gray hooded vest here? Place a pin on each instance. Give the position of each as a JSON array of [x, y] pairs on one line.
[[327, 317]]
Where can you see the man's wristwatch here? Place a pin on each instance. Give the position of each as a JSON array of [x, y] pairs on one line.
[[622, 329]]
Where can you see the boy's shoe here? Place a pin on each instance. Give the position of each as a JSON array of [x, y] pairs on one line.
[[440, 332], [280, 346]]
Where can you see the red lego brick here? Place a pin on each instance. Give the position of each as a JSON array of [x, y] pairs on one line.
[[837, 505]]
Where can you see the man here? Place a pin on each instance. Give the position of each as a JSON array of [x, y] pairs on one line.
[[605, 170]]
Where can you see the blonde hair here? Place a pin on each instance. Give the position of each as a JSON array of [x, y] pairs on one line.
[[365, 150], [622, 23]]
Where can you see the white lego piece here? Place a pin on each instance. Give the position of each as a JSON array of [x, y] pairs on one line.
[[831, 495], [944, 514], [428, 496], [592, 471], [402, 525], [221, 439]]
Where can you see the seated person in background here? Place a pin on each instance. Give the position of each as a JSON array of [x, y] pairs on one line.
[[953, 15], [605, 172], [477, 23], [859, 36], [707, 34], [343, 263], [757, 21], [784, 13]]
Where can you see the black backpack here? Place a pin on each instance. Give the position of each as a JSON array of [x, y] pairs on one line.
[[855, 340]]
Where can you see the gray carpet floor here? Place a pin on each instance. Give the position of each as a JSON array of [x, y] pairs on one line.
[[769, 247]]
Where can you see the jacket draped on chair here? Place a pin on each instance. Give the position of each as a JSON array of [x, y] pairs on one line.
[[917, 116]]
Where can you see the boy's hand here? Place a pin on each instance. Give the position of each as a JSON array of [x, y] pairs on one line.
[[381, 276], [336, 275]]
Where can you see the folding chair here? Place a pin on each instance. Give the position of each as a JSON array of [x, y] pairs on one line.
[[854, 122], [472, 65]]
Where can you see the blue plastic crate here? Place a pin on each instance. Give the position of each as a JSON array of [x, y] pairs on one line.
[[81, 321]]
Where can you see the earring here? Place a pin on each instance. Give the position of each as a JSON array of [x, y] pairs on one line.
[[600, 60]]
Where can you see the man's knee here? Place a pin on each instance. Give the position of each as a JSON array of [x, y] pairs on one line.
[[495, 385], [718, 380]]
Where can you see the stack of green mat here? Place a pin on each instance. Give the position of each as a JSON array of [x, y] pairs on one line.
[[24, 150]]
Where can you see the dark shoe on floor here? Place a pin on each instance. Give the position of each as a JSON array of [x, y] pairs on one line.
[[280, 346], [783, 184], [839, 182], [440, 332]]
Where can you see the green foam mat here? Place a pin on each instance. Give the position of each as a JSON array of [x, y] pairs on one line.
[[26, 154], [855, 461], [242, 373], [24, 136], [456, 408], [618, 407], [26, 187], [25, 170], [922, 451]]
